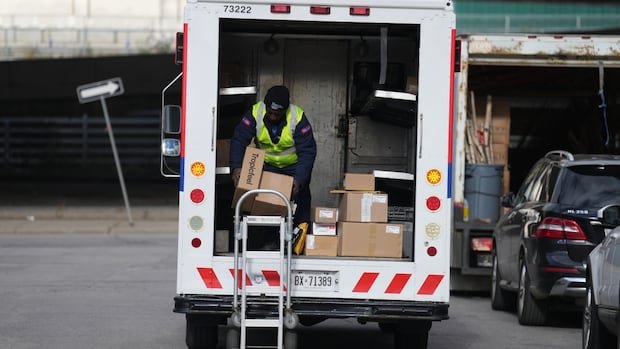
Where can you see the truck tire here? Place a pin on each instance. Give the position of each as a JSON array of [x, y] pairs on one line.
[[411, 334], [200, 333], [595, 335], [530, 311], [500, 298]]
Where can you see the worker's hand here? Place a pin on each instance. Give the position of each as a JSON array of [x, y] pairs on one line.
[[236, 174], [295, 188]]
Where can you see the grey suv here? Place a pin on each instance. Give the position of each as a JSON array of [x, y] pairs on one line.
[[541, 244]]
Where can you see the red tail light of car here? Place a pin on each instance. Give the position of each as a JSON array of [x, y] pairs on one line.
[[558, 228]]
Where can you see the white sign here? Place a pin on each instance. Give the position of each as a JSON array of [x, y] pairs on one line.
[[100, 89]]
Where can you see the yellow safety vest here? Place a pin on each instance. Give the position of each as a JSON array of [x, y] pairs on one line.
[[283, 153]]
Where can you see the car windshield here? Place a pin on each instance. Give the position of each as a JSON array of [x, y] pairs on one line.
[[590, 186]]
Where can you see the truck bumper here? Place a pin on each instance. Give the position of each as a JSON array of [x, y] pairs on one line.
[[363, 310]]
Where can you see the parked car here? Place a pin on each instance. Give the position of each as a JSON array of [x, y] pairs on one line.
[[600, 316], [540, 245]]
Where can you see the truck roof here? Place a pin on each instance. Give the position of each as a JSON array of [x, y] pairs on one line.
[[413, 4]]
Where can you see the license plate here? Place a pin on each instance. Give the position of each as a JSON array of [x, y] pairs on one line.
[[315, 280]]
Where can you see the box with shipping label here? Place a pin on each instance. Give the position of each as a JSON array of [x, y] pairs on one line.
[[370, 239], [324, 229], [363, 207], [321, 245], [271, 204], [251, 171], [324, 215], [359, 181]]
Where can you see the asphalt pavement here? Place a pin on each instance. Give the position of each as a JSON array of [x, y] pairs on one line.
[[40, 208]]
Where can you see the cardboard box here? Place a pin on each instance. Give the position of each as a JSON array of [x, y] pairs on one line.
[[321, 245], [269, 204], [500, 154], [370, 239], [251, 171], [324, 229], [363, 207], [500, 123], [359, 181], [324, 215], [222, 152]]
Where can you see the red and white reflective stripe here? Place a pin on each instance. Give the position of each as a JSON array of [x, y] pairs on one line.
[[430, 284], [364, 283], [248, 282], [209, 278]]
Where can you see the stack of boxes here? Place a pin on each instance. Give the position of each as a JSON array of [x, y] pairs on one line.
[[362, 229], [323, 240]]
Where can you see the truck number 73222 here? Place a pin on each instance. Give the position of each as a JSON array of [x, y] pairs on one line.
[[237, 9]]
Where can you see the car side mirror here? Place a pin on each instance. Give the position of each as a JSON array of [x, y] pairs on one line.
[[172, 119], [610, 215], [507, 200]]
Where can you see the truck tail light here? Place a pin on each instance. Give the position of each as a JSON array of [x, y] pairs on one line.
[[280, 8], [320, 10], [482, 244], [558, 228], [359, 11]]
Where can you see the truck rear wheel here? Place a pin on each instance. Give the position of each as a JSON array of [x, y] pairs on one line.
[[200, 333], [411, 334]]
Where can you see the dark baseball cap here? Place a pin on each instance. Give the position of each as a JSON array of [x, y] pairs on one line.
[[277, 98]]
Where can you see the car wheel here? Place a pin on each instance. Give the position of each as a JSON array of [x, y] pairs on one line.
[[500, 299], [530, 311], [594, 335]]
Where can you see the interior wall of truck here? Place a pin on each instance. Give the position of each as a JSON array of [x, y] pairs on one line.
[[332, 71], [552, 107]]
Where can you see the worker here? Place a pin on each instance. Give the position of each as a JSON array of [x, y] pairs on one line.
[[283, 131]]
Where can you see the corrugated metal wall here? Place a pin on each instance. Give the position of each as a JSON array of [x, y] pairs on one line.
[[484, 16]]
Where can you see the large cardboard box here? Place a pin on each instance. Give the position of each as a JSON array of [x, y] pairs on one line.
[[324, 229], [359, 181], [324, 215], [321, 245], [363, 207], [500, 154], [270, 204], [251, 171], [370, 239]]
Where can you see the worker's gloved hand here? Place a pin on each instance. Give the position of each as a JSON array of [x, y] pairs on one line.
[[236, 174], [295, 188]]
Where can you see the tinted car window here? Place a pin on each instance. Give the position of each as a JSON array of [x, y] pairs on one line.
[[524, 193], [590, 186]]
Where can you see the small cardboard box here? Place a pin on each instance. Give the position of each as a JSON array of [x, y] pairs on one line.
[[324, 229], [270, 204], [359, 181], [363, 207], [500, 154], [370, 239], [319, 245], [324, 215], [251, 171]]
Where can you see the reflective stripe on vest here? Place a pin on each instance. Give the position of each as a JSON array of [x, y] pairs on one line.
[[284, 152]]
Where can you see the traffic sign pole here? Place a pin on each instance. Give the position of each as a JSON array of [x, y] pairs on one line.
[[101, 90], [116, 159]]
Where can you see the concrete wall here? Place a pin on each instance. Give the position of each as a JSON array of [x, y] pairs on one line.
[[86, 28]]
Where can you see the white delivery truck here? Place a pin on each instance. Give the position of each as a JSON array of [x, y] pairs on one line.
[[375, 79], [548, 92]]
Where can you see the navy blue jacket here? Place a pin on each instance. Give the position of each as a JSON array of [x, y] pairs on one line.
[[304, 144]]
